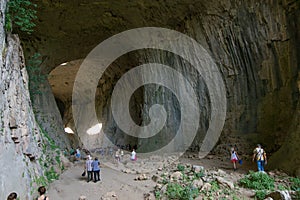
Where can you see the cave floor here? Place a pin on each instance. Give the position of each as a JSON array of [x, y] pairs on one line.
[[118, 180]]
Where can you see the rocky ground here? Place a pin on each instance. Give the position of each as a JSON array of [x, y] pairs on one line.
[[164, 177]]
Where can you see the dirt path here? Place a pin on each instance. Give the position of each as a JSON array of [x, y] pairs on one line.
[[71, 185]]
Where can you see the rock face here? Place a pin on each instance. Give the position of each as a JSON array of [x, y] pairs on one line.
[[286, 157], [19, 133], [254, 44], [22, 144]]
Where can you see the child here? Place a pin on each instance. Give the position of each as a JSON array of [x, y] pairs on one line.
[[12, 196], [234, 158]]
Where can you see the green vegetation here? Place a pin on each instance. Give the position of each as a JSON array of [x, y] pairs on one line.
[[36, 77], [180, 167], [295, 185], [260, 194], [157, 194], [179, 191], [49, 161], [209, 194], [188, 187], [260, 182], [20, 15], [51, 175]]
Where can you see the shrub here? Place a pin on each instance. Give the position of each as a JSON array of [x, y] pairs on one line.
[[51, 175], [260, 194], [157, 195], [295, 184], [180, 167], [258, 181], [178, 191], [214, 186], [199, 174], [174, 190]]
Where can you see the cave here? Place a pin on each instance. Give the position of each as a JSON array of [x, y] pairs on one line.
[[254, 45], [181, 82]]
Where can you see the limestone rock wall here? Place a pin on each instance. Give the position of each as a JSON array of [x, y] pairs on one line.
[[255, 46], [287, 157], [49, 118], [20, 135]]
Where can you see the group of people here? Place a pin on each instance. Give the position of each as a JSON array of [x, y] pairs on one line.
[[92, 167], [41, 190], [259, 155], [119, 155]]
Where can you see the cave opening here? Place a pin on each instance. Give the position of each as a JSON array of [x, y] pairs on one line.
[[62, 80]]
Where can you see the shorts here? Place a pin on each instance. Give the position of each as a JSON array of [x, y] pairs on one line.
[[234, 160]]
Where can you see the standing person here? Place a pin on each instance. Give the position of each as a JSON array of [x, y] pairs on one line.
[[122, 155], [72, 151], [117, 155], [89, 168], [133, 155], [96, 170], [12, 196], [42, 191], [110, 151], [78, 154], [101, 151], [260, 156], [234, 158]]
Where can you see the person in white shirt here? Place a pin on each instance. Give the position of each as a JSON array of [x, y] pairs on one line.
[[89, 168], [133, 155], [261, 158], [234, 158]]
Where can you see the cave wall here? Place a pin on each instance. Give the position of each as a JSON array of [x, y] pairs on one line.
[[287, 157], [48, 116], [255, 45], [257, 55], [20, 136]]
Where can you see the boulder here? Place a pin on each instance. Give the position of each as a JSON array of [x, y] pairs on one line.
[[206, 187], [156, 178], [176, 176], [197, 183], [141, 177], [224, 182], [82, 198], [197, 168]]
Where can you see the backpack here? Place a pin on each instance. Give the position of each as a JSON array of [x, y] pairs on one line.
[[259, 154]]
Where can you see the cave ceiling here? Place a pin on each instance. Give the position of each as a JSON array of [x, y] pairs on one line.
[[69, 30]]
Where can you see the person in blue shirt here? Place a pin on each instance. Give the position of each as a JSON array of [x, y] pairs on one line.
[[78, 154], [96, 170]]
